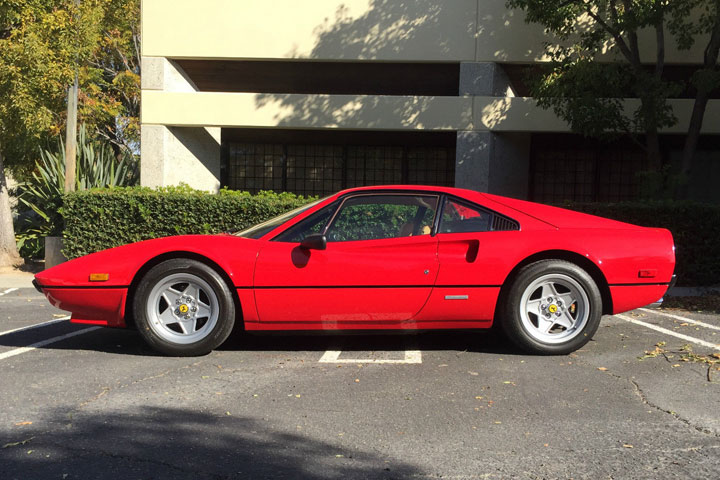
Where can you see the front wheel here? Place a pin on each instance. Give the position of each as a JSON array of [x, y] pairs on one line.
[[553, 307], [183, 308]]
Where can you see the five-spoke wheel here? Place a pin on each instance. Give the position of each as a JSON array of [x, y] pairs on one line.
[[183, 307], [553, 307]]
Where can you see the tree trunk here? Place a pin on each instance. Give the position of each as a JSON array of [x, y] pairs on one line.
[[9, 256], [693, 135], [701, 98], [652, 142]]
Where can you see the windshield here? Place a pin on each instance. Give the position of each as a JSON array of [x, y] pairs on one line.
[[261, 229]]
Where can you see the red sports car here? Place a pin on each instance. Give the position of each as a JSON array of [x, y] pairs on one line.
[[391, 257]]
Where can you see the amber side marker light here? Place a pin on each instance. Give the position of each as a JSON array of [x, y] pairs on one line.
[[99, 277], [651, 273]]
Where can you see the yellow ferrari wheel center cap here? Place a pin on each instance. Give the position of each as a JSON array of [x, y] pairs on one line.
[[551, 308], [183, 308]]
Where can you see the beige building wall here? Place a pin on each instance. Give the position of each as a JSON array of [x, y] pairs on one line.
[[181, 126], [419, 30]]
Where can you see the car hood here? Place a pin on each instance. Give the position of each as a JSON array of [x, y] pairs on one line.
[[233, 255]]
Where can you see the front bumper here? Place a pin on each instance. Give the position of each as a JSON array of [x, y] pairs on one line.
[[91, 305]]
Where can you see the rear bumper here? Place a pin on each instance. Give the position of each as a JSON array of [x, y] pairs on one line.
[[659, 302]]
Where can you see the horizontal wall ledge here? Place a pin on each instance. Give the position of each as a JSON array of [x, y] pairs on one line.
[[521, 114], [306, 111], [501, 114]]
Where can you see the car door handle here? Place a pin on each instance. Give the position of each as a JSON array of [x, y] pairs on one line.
[[472, 251]]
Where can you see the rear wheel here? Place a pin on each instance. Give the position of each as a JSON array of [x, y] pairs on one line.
[[183, 308], [553, 307]]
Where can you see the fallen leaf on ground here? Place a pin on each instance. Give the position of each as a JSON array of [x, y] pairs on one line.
[[15, 444], [602, 369], [19, 424]]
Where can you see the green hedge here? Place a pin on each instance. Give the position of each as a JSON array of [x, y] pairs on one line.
[[695, 228], [99, 219], [102, 218]]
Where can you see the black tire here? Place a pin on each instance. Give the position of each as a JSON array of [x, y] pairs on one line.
[[183, 308], [553, 307]]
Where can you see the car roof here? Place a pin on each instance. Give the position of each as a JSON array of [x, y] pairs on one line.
[[461, 192]]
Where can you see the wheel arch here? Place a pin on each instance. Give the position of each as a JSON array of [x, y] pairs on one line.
[[581, 261], [129, 318]]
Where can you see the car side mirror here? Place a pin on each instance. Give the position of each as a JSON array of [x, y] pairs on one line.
[[316, 241]]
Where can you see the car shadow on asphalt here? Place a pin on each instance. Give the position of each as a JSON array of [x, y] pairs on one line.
[[129, 342], [452, 340]]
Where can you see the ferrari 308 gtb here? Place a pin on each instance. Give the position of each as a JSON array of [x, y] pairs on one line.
[[391, 257]]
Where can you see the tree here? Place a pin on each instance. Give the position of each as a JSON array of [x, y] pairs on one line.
[[587, 91], [707, 78], [40, 42], [110, 102]]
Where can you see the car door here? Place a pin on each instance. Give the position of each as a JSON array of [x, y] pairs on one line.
[[377, 269], [472, 241]]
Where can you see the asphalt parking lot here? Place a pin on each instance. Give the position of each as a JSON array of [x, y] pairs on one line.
[[642, 400]]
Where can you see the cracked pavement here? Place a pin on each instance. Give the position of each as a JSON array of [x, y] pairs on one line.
[[101, 404]]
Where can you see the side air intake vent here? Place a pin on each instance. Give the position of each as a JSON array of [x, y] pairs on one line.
[[501, 223]]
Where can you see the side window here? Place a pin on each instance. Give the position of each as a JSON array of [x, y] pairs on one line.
[[315, 223], [371, 217], [459, 217]]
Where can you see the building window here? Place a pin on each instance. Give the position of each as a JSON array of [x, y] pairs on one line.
[[570, 168], [336, 162]]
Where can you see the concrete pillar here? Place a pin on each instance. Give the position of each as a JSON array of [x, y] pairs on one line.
[[485, 160], [175, 155], [473, 151], [486, 79], [493, 162]]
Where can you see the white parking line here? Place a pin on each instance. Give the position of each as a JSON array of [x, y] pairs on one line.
[[42, 343], [37, 325], [669, 332], [684, 319], [9, 290], [333, 356]]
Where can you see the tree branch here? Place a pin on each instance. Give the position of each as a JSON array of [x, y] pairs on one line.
[[632, 35], [710, 57], [614, 32], [660, 40]]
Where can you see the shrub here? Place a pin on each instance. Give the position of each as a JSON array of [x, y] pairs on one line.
[[695, 228], [40, 197], [104, 218]]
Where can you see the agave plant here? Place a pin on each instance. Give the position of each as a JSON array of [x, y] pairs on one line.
[[40, 197]]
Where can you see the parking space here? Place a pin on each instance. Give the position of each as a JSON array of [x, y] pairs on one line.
[[636, 402]]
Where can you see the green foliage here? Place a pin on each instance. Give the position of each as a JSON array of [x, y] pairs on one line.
[[40, 197], [110, 81], [587, 91], [595, 63], [104, 218], [695, 228], [43, 43]]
